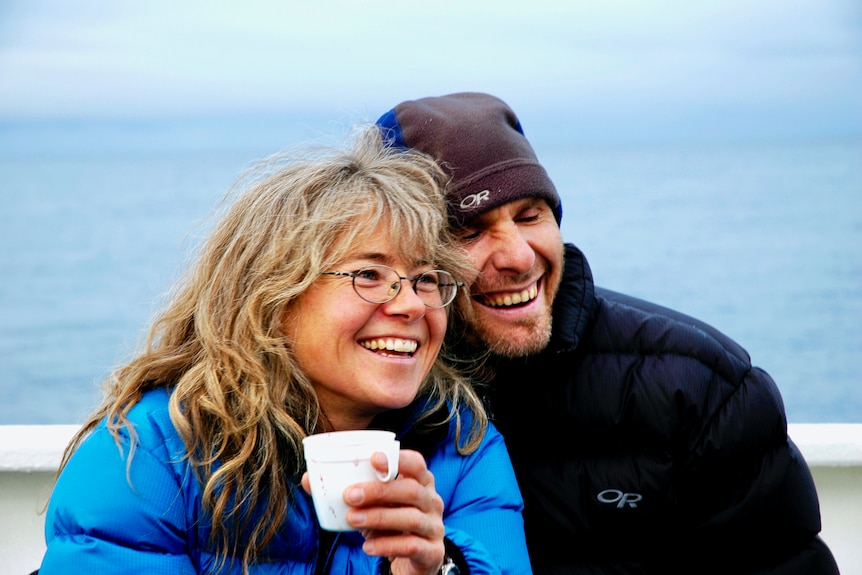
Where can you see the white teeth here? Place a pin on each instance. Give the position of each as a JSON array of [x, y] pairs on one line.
[[391, 344], [513, 299]]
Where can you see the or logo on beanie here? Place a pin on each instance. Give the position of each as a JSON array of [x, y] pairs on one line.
[[474, 201], [479, 141]]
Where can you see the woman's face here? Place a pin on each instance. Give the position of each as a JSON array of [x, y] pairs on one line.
[[336, 339]]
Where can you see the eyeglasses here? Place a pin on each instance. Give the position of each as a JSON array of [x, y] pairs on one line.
[[380, 284]]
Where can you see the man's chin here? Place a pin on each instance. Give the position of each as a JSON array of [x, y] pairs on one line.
[[513, 338]]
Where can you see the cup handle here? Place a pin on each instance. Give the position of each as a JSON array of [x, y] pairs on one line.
[[391, 453]]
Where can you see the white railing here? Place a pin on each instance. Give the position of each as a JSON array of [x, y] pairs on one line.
[[29, 455]]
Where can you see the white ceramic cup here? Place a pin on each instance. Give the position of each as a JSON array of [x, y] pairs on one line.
[[339, 459]]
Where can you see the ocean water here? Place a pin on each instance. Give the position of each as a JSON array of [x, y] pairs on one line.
[[764, 241]]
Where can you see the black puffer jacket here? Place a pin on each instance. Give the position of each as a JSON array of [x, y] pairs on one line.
[[645, 442]]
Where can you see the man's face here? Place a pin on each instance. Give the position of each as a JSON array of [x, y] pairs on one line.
[[518, 250]]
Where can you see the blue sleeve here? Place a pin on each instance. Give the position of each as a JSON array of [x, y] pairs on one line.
[[110, 515], [483, 507]]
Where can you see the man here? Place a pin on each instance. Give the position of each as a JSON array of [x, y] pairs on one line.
[[644, 441]]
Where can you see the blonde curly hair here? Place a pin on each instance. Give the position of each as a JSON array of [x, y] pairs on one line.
[[238, 397]]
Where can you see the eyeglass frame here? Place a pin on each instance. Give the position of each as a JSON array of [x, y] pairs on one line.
[[413, 280]]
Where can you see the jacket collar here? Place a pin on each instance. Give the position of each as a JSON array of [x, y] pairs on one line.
[[575, 302]]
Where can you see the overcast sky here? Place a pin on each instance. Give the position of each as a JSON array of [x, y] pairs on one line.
[[752, 67]]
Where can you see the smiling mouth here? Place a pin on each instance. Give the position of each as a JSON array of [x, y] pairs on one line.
[[391, 346], [511, 299]]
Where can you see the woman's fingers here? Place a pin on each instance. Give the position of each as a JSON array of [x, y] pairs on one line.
[[401, 519], [414, 488], [410, 464]]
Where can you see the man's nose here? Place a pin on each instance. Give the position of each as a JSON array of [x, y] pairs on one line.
[[511, 250]]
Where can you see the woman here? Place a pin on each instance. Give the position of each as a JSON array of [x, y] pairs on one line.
[[317, 304]]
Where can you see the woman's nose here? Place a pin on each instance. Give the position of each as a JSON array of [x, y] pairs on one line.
[[407, 302]]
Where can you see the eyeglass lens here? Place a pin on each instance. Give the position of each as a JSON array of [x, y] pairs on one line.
[[380, 284]]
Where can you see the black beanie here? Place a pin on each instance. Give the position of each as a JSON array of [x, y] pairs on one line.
[[479, 141]]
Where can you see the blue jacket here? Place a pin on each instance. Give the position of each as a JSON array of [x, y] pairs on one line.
[[109, 516]]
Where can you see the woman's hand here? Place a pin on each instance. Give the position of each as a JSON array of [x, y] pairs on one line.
[[401, 519]]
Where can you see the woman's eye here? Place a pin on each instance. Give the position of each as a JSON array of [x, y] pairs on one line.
[[428, 279], [370, 275]]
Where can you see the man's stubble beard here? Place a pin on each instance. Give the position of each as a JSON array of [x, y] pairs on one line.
[[520, 338], [514, 339], [523, 338]]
